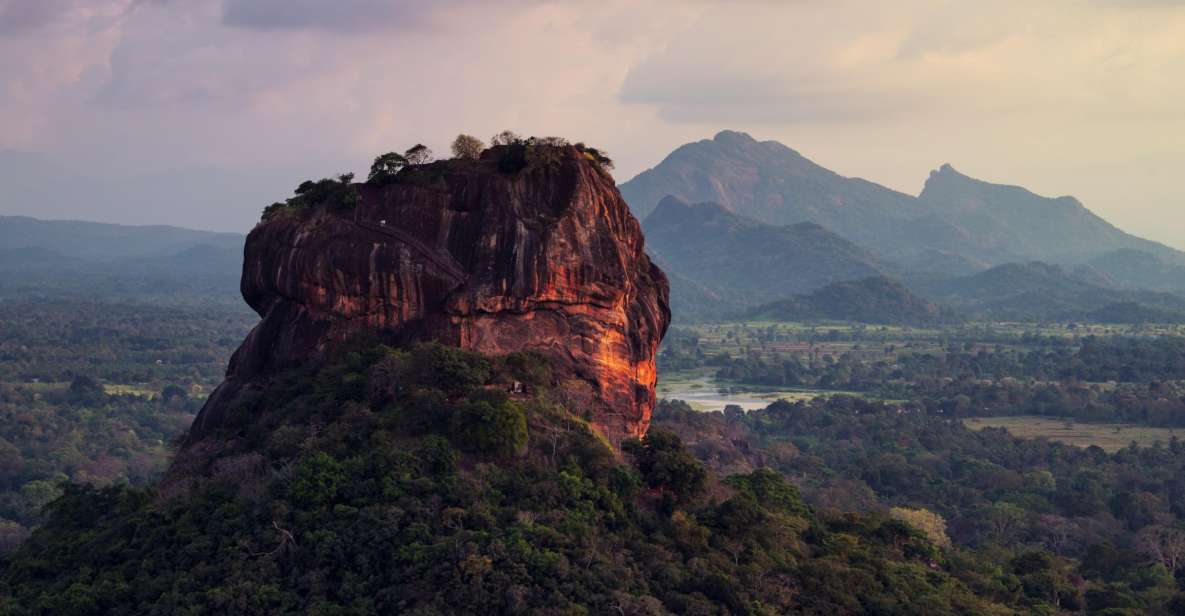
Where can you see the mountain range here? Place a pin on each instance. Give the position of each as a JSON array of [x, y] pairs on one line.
[[968, 218], [728, 252], [98, 260], [739, 225]]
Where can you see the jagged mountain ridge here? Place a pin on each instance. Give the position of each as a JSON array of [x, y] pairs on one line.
[[771, 183], [1016, 221]]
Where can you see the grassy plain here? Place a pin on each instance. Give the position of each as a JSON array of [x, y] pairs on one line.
[[1109, 436], [120, 389]]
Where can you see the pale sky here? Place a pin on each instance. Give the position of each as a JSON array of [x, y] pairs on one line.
[[1081, 97]]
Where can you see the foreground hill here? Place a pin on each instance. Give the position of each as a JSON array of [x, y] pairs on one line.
[[876, 300], [732, 261], [1039, 291]]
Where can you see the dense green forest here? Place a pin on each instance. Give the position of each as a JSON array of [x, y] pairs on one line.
[[1080, 529], [1118, 377], [93, 392], [407, 481], [428, 490]]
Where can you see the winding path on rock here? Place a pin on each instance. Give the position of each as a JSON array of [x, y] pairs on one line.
[[438, 257]]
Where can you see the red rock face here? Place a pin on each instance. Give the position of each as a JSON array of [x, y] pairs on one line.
[[546, 259]]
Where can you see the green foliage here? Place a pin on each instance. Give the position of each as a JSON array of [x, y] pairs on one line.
[[93, 392], [432, 366], [599, 157], [366, 516], [512, 158], [335, 194], [1035, 510], [771, 489], [385, 168], [317, 479], [666, 465], [489, 427], [962, 372], [528, 367], [84, 389]]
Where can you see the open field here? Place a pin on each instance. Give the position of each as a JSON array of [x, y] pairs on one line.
[[40, 386], [133, 390], [114, 389], [1109, 436]]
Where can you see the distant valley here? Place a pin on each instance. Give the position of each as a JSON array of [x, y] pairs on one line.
[[104, 261]]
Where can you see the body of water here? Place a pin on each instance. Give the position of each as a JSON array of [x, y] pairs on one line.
[[703, 392]]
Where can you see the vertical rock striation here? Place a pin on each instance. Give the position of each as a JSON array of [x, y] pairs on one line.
[[546, 258]]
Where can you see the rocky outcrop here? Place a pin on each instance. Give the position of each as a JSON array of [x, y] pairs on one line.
[[545, 258]]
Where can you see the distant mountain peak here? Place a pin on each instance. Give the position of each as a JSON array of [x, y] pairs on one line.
[[947, 175], [733, 136], [947, 169], [977, 221]]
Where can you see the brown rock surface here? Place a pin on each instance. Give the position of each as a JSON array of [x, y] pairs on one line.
[[547, 258]]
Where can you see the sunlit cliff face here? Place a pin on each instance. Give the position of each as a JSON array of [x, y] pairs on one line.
[[547, 259]]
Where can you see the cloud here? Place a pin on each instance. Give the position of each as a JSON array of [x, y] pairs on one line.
[[773, 63], [1024, 92], [23, 16], [341, 15], [848, 61]]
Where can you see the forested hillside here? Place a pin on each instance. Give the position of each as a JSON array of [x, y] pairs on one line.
[[410, 481]]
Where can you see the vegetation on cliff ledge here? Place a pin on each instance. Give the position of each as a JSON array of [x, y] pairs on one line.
[[508, 151]]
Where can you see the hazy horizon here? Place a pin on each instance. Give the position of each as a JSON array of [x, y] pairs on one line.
[[245, 99]]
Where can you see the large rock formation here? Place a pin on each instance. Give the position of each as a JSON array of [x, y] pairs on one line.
[[545, 258]]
